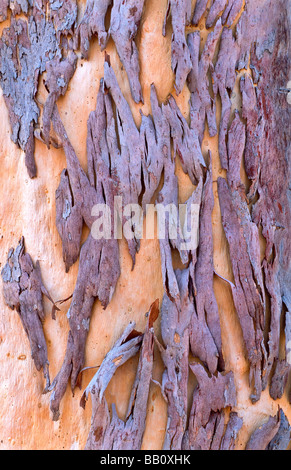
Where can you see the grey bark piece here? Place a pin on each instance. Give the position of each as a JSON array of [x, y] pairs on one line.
[[234, 425], [224, 77], [205, 301], [255, 129], [59, 74], [202, 105], [200, 8], [181, 62], [175, 321], [124, 24], [247, 297], [216, 8], [155, 135], [25, 49], [93, 23], [99, 267], [111, 433], [231, 12], [282, 439], [206, 422], [262, 436], [23, 290], [128, 159], [186, 142], [64, 16], [69, 221]]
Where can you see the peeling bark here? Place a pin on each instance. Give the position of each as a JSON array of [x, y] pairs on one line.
[[93, 22], [124, 24], [243, 244], [154, 133], [211, 396], [59, 74], [64, 16], [181, 61], [234, 425], [185, 141], [224, 77], [99, 267], [25, 49], [23, 290], [216, 8], [282, 439], [205, 301], [128, 159], [112, 433], [202, 105], [175, 322], [262, 436]]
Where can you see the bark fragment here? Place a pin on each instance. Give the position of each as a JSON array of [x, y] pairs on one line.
[[99, 267], [202, 105], [262, 436], [112, 433], [181, 61], [234, 425], [25, 49], [205, 301], [59, 74], [127, 159], [224, 77], [185, 141], [281, 440], [154, 134], [23, 290], [92, 23], [243, 240], [211, 396], [64, 16], [124, 24]]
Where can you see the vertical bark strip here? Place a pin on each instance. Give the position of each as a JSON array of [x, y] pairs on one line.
[[23, 290]]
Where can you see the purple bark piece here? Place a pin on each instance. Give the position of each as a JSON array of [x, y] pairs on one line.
[[25, 49], [112, 433], [23, 290], [224, 77], [216, 8], [181, 62], [3, 9], [282, 439], [64, 16], [211, 396], [234, 425], [124, 24], [262, 436], [255, 129], [206, 305], [93, 23], [202, 105], [99, 267], [154, 132], [186, 142], [248, 299], [69, 221], [232, 10], [59, 74], [200, 9]]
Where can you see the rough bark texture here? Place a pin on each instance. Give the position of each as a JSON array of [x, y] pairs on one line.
[[225, 301]]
